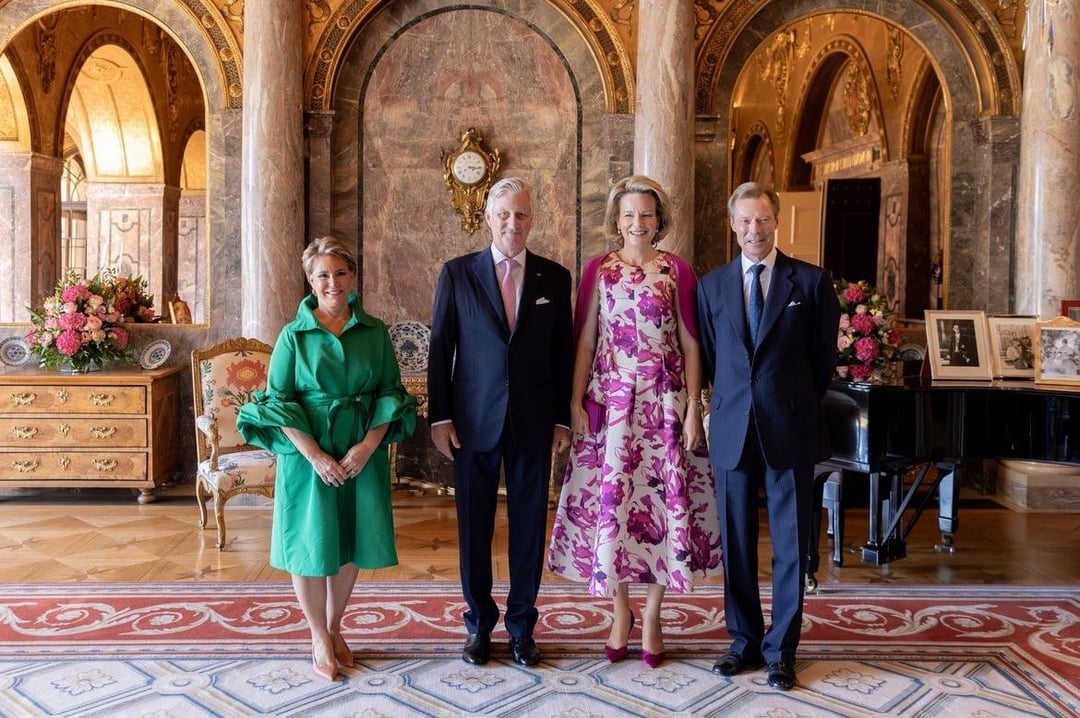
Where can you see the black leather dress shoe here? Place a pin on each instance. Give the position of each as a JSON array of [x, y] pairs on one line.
[[732, 664], [781, 675], [477, 649], [524, 651]]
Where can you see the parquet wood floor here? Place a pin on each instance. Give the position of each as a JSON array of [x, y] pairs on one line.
[[106, 535]]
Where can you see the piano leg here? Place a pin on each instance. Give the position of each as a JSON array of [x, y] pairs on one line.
[[813, 561], [948, 501], [881, 549], [833, 501]]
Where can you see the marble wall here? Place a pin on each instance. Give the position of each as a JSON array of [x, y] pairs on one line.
[[412, 83]]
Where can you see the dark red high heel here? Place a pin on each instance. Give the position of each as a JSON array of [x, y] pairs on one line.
[[614, 655], [652, 660]]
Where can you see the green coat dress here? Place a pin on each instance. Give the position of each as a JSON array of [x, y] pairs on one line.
[[333, 388]]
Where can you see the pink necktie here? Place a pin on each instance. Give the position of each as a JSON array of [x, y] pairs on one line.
[[508, 291]]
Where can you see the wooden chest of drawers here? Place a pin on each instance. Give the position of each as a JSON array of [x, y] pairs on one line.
[[112, 428]]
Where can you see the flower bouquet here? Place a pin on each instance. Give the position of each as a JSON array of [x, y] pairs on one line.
[[130, 297], [80, 326], [865, 339]]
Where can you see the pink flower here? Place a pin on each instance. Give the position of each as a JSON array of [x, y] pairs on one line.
[[866, 349], [120, 335], [845, 322], [862, 323], [75, 292], [854, 294], [72, 322], [843, 341], [860, 371], [69, 342]]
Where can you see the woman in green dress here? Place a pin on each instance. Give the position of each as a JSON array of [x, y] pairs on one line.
[[334, 402]]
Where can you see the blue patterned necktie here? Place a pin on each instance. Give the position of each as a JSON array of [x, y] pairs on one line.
[[757, 301]]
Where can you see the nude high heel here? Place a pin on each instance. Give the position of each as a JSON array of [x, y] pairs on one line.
[[327, 671], [342, 653]]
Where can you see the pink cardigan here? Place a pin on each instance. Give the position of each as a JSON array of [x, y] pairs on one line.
[[685, 283]]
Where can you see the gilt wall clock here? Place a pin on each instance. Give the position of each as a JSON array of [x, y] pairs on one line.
[[469, 171]]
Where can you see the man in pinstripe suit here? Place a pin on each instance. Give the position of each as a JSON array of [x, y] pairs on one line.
[[766, 428]]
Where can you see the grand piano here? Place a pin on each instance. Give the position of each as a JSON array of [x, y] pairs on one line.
[[912, 437]]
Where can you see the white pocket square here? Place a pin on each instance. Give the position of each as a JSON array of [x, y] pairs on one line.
[[794, 303], [543, 300]]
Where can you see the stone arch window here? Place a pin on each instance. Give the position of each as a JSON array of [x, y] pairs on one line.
[[73, 213]]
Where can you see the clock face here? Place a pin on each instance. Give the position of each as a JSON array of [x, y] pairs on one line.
[[469, 167]]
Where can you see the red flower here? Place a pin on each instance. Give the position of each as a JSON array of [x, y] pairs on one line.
[[246, 375]]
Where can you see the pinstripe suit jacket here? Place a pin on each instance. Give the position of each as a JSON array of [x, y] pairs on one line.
[[784, 377]]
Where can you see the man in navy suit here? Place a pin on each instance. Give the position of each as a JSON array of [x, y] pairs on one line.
[[766, 429], [499, 374]]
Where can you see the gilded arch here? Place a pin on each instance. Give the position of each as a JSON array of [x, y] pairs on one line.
[[822, 71], [197, 25], [962, 29]]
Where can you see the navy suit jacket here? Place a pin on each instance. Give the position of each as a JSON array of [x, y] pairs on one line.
[[478, 370], [784, 378]]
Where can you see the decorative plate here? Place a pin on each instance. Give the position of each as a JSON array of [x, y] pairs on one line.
[[14, 351], [155, 354], [411, 340]]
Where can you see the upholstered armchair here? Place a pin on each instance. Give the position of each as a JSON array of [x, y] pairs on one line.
[[224, 377]]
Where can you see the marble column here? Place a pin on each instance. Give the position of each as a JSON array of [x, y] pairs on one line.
[[1048, 215], [272, 182], [664, 112]]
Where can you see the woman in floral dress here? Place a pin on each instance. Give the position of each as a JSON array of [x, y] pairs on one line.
[[638, 503]]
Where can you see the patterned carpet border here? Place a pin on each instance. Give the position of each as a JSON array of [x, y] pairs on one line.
[[1003, 650]]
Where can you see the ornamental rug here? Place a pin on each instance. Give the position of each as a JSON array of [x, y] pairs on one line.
[[242, 649]]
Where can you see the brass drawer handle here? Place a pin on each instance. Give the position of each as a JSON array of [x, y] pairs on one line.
[[104, 464], [64, 429], [23, 399], [62, 395], [102, 432], [25, 466], [102, 399], [24, 432], [64, 462]]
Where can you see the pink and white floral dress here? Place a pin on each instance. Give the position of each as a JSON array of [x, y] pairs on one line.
[[635, 507]]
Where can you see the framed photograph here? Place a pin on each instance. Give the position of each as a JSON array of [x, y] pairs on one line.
[[957, 345], [1071, 308], [1057, 352], [1012, 345]]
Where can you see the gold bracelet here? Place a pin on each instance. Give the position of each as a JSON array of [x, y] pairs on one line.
[[690, 400]]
